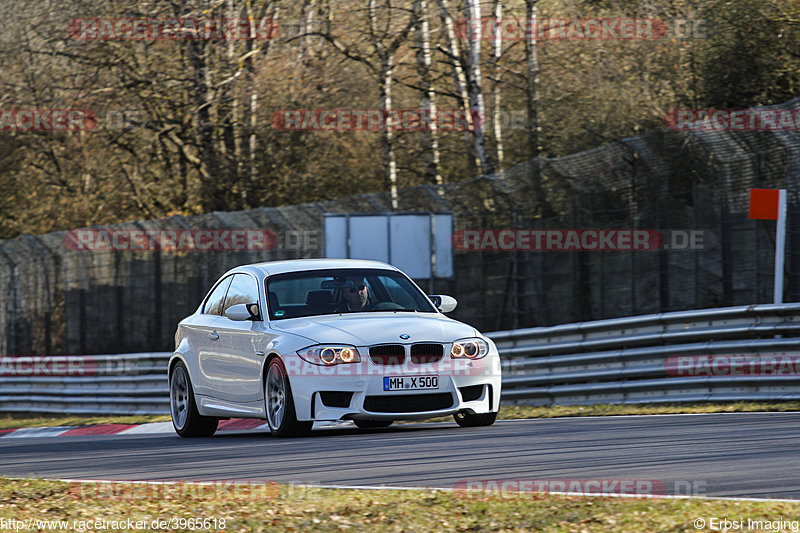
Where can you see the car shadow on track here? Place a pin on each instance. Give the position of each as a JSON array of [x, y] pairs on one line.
[[347, 431]]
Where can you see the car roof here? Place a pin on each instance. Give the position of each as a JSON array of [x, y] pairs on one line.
[[270, 268]]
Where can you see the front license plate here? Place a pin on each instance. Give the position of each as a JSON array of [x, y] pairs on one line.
[[411, 383]]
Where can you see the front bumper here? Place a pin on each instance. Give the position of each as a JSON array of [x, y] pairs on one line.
[[351, 392]]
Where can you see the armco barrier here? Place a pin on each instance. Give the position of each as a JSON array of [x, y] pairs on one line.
[[620, 360], [124, 384], [625, 360]]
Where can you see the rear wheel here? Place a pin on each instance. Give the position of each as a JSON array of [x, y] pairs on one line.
[[373, 424], [466, 420], [281, 415], [186, 420]]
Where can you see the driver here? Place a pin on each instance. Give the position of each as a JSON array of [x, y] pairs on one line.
[[356, 297]]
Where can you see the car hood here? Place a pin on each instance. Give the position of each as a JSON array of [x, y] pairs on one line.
[[365, 329]]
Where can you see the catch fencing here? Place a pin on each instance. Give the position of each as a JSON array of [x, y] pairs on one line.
[[56, 298], [627, 360]]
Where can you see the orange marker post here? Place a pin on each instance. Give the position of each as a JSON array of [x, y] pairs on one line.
[[770, 204]]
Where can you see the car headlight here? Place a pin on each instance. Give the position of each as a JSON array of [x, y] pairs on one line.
[[329, 355], [472, 348]]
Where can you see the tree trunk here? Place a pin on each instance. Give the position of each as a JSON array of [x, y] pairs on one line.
[[306, 22], [430, 142], [232, 145], [474, 82], [250, 112], [203, 102], [497, 51], [459, 78], [385, 73], [534, 128], [387, 135]]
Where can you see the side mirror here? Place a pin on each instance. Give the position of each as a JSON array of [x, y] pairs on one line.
[[241, 312], [444, 303]]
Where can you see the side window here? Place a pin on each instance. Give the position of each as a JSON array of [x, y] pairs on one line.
[[217, 297], [244, 290]]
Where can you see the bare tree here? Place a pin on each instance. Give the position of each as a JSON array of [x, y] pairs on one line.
[[453, 55], [474, 85], [250, 118], [467, 78], [430, 140], [306, 23], [384, 43], [497, 52], [534, 128]]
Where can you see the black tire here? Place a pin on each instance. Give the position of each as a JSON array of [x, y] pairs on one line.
[[466, 420], [373, 424], [279, 403], [186, 420]]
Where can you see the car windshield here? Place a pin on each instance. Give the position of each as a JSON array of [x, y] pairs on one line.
[[325, 292]]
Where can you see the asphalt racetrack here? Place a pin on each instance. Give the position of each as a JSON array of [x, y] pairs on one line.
[[730, 455]]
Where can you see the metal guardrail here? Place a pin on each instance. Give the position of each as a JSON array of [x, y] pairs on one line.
[[632, 360], [124, 384], [622, 360]]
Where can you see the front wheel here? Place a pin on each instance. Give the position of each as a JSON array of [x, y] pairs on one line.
[[186, 420], [281, 414], [466, 420]]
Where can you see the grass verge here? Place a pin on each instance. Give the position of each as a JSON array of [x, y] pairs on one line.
[[507, 412], [288, 508]]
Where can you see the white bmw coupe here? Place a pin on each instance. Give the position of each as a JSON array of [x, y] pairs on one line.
[[295, 342]]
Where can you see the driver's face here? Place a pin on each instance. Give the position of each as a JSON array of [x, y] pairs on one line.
[[357, 295]]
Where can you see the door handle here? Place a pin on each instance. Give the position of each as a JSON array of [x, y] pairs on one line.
[[214, 336]]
